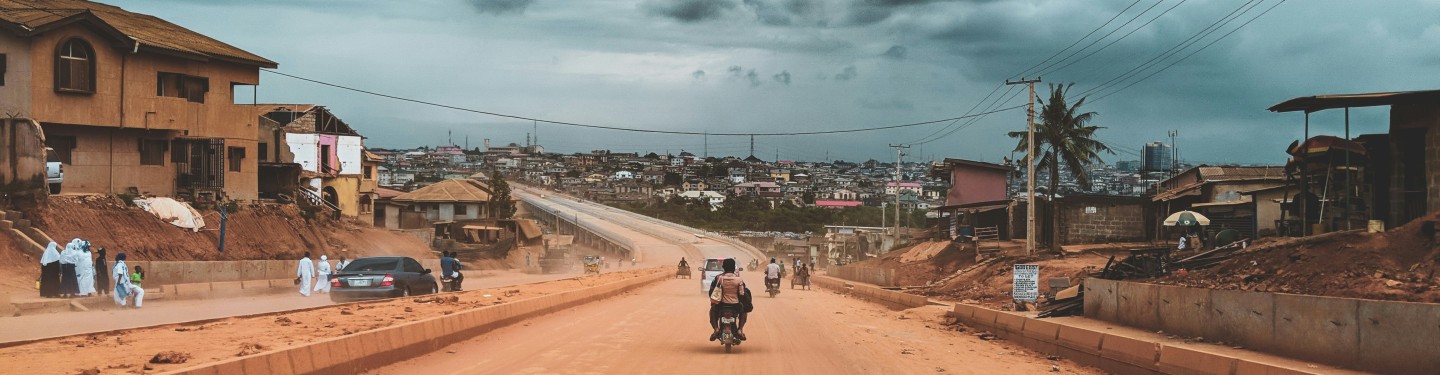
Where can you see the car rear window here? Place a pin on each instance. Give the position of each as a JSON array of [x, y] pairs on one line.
[[371, 265], [51, 156], [713, 265]]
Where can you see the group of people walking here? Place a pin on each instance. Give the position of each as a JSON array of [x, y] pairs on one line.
[[76, 272], [308, 272]]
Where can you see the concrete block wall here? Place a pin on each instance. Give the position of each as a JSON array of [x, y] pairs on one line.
[[869, 275], [195, 272], [1381, 336], [871, 292], [1114, 353], [1110, 222], [367, 350]]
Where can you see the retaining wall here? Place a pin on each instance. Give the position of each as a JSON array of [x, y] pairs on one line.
[[372, 349], [871, 292], [1381, 336], [1108, 351], [171, 272], [869, 275]]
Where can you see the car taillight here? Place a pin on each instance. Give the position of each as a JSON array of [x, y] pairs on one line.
[[387, 281], [335, 282]]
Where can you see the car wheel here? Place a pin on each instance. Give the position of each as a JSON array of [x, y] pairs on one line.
[[405, 292], [434, 288], [54, 188]]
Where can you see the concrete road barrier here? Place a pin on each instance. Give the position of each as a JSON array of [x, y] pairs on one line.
[[376, 348], [871, 292]]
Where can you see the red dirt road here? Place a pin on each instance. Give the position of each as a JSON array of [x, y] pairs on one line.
[[662, 330]]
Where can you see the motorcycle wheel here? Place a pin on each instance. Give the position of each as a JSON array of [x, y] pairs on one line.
[[727, 346]]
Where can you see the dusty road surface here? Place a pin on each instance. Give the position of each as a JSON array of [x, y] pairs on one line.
[[662, 329], [127, 351], [30, 327]]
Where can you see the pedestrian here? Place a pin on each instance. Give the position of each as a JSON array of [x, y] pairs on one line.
[[102, 280], [136, 279], [1184, 242], [124, 282], [69, 279], [50, 271], [85, 270], [304, 273], [340, 266], [322, 282]]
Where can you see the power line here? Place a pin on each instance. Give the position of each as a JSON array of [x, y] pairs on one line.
[[1077, 41], [1177, 48], [1117, 40], [1212, 42], [1107, 35], [616, 128], [975, 120]]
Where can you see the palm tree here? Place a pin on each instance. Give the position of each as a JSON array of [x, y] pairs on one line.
[[1064, 136]]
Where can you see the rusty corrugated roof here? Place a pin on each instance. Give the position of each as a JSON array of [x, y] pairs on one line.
[[149, 31], [455, 190], [1209, 173]]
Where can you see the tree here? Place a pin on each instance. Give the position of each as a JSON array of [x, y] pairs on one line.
[[1064, 136], [673, 179], [652, 156], [500, 202]]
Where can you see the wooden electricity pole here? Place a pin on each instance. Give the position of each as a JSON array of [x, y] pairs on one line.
[[1029, 166]]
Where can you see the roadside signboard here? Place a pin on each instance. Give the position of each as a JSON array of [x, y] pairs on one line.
[[1027, 282]]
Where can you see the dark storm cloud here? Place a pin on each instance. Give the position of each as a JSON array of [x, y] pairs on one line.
[[896, 52], [688, 10], [847, 74], [768, 13], [783, 77], [499, 7], [753, 77], [698, 74]]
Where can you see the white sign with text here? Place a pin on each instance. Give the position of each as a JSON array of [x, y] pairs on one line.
[[1027, 282]]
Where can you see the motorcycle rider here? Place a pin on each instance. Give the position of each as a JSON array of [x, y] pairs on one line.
[[731, 288], [772, 274]]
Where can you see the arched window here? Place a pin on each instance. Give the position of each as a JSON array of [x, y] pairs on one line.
[[75, 67]]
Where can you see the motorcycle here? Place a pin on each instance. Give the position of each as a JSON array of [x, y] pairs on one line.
[[729, 324], [772, 286]]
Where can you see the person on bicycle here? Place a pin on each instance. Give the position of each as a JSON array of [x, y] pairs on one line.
[[772, 274], [731, 288]]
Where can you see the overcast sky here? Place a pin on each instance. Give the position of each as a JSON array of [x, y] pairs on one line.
[[807, 65]]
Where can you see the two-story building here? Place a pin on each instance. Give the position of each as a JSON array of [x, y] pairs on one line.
[[132, 103], [328, 152]]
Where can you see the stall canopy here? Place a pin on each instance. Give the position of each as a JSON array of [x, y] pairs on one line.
[[1324, 102]]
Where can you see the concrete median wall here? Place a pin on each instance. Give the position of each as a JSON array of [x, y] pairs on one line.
[[1381, 336], [380, 347], [170, 273], [1110, 352], [870, 275], [871, 292]]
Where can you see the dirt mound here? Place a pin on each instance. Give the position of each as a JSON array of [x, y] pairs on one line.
[[256, 231], [1397, 265], [921, 263], [945, 270]]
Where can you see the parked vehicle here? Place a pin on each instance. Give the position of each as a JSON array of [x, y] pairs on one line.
[[381, 277], [54, 171], [708, 271]]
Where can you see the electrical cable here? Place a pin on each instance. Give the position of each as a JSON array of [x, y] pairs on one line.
[[1177, 48], [616, 128], [1077, 41], [1117, 40]]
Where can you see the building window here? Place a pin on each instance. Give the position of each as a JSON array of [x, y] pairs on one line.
[[190, 88], [2, 69], [63, 146], [152, 152], [325, 160], [459, 209], [264, 152], [369, 173], [75, 67], [235, 155]]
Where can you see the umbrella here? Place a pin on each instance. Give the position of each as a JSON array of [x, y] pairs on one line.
[[1186, 219]]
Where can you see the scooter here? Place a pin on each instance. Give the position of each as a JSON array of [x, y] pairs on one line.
[[729, 324]]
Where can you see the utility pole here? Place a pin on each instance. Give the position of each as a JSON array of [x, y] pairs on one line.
[[1174, 154], [899, 153], [707, 144], [1029, 166]]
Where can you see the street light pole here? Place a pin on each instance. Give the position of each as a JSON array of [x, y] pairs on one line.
[[1029, 166]]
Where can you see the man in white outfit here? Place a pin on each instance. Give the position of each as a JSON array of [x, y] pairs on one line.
[[322, 281], [306, 273]]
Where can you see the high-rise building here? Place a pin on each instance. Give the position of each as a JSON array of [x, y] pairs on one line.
[[1159, 157]]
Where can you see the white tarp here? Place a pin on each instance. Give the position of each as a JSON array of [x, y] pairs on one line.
[[175, 212]]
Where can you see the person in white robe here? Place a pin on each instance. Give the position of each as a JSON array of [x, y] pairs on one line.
[[85, 270], [70, 269], [305, 272], [123, 287], [322, 278]]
